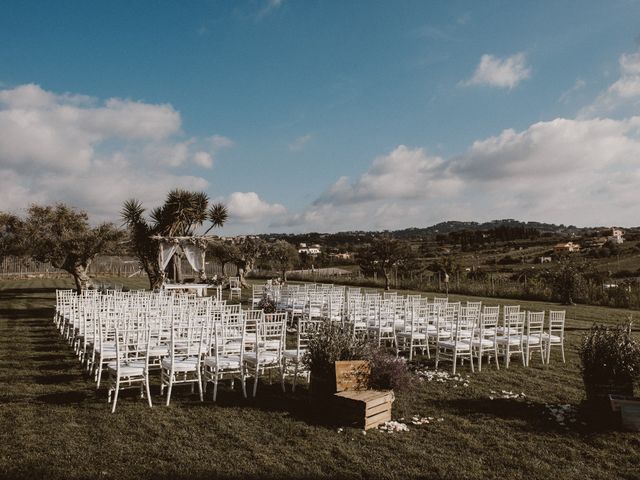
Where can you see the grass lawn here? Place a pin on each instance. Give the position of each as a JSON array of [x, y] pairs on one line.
[[54, 424]]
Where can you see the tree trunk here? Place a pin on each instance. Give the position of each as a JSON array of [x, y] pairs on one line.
[[241, 275], [80, 276], [284, 275], [155, 280], [387, 279], [243, 270]]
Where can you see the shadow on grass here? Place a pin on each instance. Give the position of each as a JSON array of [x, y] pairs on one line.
[[29, 470], [56, 379], [11, 292], [69, 397], [38, 316], [270, 398]]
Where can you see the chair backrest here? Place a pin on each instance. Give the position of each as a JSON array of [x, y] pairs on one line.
[[187, 333], [271, 333], [556, 322], [450, 312], [132, 343], [462, 329], [232, 309], [475, 308], [306, 330], [508, 311], [489, 324], [535, 323], [389, 295], [491, 310], [441, 300], [514, 324]]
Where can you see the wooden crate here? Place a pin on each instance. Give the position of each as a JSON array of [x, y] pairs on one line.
[[363, 408], [352, 375]]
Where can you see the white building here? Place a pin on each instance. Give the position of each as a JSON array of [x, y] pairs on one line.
[[617, 236]]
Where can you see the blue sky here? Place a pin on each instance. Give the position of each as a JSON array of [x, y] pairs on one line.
[[320, 115]]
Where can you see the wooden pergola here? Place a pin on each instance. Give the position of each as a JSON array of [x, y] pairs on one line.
[[193, 247]]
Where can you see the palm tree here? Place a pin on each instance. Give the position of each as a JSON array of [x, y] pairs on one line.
[[182, 213]]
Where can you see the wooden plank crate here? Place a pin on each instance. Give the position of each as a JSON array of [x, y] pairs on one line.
[[363, 408], [352, 375]]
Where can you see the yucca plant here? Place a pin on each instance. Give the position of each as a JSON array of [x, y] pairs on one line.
[[182, 213]]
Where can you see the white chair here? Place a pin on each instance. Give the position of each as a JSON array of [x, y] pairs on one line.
[[226, 357], [130, 369], [484, 342], [104, 348], [235, 288], [183, 364], [533, 335], [414, 335], [257, 294], [458, 345], [382, 329], [511, 340], [555, 335], [305, 331], [357, 317], [268, 340]]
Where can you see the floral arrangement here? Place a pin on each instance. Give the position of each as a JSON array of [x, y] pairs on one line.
[[267, 304]]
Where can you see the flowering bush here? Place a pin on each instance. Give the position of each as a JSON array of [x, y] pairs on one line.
[[388, 371], [610, 356]]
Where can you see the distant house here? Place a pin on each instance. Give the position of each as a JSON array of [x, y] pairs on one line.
[[311, 251], [617, 236], [341, 256], [568, 247], [545, 259]]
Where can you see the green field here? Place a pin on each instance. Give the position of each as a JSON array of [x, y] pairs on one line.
[[56, 425]]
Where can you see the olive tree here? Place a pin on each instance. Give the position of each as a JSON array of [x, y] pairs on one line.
[[384, 254], [283, 255], [62, 236], [11, 238], [247, 252]]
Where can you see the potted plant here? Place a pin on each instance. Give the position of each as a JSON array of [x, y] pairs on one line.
[[610, 362], [330, 344]]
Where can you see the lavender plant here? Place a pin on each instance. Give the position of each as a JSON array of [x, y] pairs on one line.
[[610, 355]]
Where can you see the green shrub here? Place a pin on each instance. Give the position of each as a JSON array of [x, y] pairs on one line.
[[609, 355], [332, 343]]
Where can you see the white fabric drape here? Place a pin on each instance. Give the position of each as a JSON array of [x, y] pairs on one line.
[[167, 249], [195, 256]]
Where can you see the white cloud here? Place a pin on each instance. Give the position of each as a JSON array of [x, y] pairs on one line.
[[580, 171], [248, 207], [622, 96], [203, 159], [299, 143], [404, 173], [500, 72], [269, 6], [219, 142], [92, 154], [566, 95]]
